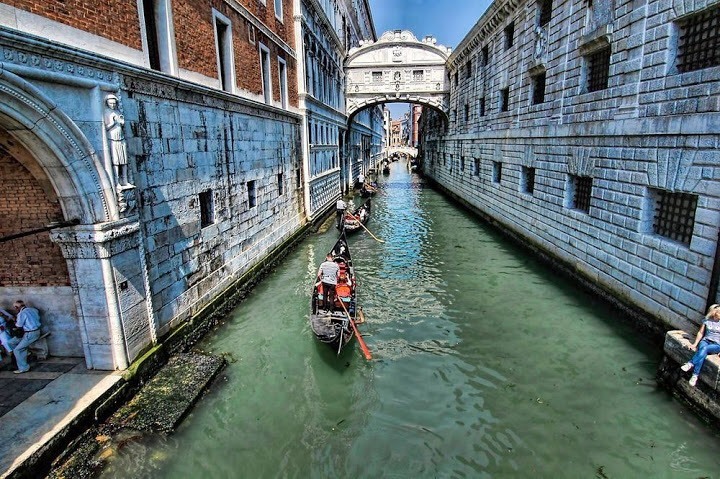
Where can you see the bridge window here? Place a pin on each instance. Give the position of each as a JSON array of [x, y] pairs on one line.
[[207, 208], [377, 77], [673, 214], [580, 192], [497, 172], [527, 180], [538, 88], [417, 75], [545, 12], [598, 69], [699, 41], [509, 35], [505, 99]]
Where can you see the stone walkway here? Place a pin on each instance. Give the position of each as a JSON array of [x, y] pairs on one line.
[[37, 406]]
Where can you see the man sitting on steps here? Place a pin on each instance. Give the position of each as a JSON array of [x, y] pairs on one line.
[[29, 320]]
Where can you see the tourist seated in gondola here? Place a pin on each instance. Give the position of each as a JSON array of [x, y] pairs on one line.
[[328, 276]]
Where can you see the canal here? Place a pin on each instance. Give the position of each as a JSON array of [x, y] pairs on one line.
[[486, 365]]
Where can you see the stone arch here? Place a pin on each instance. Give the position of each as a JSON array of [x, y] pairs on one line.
[[58, 153], [397, 68]]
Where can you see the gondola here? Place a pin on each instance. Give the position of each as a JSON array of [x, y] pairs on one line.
[[354, 219], [368, 190], [333, 327], [386, 169]]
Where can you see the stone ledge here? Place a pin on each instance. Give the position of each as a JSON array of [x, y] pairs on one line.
[[677, 347]]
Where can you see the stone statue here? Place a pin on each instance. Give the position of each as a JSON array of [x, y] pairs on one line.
[[114, 123]]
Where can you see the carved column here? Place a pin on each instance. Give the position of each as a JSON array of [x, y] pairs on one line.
[[108, 282]]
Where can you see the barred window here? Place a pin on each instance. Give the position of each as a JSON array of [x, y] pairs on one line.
[[252, 198], [377, 77], [497, 172], [598, 69], [417, 75], [699, 41], [207, 208], [509, 35], [527, 180], [674, 214], [538, 88], [505, 99], [581, 192], [280, 184], [545, 13]]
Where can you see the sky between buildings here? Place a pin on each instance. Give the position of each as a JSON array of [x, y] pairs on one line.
[[447, 20]]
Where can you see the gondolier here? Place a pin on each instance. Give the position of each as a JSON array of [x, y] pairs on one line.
[[328, 274], [340, 207]]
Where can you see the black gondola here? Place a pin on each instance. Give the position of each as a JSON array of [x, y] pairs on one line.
[[368, 190], [333, 327], [360, 215]]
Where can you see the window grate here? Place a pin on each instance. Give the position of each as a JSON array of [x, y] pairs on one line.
[[675, 215], [539, 88], [598, 64], [582, 193], [699, 43], [545, 12]]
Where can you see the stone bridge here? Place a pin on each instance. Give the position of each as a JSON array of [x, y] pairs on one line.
[[397, 68], [400, 150]]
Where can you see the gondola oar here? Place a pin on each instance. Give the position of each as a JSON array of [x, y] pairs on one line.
[[363, 346], [370, 233]]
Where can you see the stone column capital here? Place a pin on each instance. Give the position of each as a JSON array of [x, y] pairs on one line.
[[97, 241]]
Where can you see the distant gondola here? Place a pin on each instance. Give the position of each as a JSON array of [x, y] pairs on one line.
[[360, 215], [367, 190], [333, 327], [386, 169]]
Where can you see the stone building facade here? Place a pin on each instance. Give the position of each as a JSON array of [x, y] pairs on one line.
[[335, 146], [164, 136], [590, 131]]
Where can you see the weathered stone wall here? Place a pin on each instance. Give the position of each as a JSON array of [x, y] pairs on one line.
[[651, 128]]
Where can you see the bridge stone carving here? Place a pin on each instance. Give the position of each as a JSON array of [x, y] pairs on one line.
[[397, 68]]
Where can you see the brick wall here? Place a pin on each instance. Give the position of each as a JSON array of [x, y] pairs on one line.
[[33, 260], [92, 16]]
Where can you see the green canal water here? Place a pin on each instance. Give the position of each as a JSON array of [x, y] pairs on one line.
[[486, 365]]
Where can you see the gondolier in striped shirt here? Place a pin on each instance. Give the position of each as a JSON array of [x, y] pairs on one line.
[[328, 274]]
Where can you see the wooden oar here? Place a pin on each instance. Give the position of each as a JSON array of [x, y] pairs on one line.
[[370, 233], [363, 346]]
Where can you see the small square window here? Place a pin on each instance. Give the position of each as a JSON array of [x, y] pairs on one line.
[[580, 192], [280, 185], [207, 208], [497, 172], [509, 35], [598, 69], [251, 194], [673, 214], [538, 88], [505, 99], [527, 180]]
